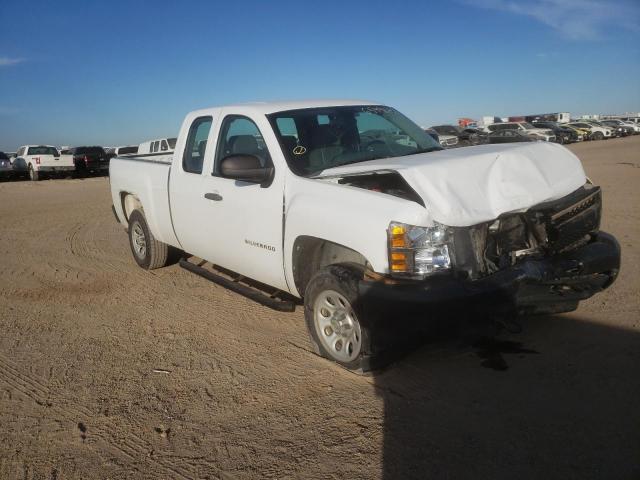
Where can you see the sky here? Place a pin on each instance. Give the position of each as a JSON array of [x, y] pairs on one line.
[[120, 72]]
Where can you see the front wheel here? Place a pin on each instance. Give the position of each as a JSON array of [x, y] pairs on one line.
[[148, 252], [34, 175], [333, 315], [598, 136]]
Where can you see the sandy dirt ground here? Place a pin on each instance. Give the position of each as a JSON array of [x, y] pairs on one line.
[[109, 371]]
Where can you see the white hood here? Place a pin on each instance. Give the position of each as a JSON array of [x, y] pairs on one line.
[[471, 185]]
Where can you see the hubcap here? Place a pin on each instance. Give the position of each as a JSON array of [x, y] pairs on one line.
[[337, 326], [138, 240]]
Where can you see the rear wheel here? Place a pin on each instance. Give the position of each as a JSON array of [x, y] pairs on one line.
[[34, 175], [148, 252]]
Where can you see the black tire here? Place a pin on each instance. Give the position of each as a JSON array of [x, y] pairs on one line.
[[342, 279], [34, 175], [598, 136], [153, 254]]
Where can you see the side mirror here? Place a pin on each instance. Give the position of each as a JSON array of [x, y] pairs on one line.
[[246, 168]]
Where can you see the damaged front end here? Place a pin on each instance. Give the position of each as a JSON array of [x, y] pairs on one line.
[[545, 230], [542, 260]]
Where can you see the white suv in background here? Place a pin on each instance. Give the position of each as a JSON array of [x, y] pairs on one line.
[[597, 132], [525, 128], [39, 160], [635, 126]]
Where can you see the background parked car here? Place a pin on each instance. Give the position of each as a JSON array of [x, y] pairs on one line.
[[615, 130], [584, 132], [466, 136], [433, 134], [40, 160], [595, 132], [525, 128], [448, 141], [475, 136], [621, 127], [563, 134], [635, 126], [88, 160], [6, 169], [509, 136]]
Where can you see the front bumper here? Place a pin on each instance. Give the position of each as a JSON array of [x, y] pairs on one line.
[[532, 286]]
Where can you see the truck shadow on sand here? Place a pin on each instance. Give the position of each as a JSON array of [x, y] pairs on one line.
[[559, 400]]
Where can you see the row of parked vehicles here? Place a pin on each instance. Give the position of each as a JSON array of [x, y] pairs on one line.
[[40, 161], [507, 132]]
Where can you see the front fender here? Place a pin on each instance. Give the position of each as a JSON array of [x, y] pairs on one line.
[[349, 216]]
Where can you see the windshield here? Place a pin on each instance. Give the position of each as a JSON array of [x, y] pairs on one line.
[[42, 151], [315, 139], [90, 150]]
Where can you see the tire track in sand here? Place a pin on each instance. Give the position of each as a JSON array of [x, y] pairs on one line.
[[130, 445]]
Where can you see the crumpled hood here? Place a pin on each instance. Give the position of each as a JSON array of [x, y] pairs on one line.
[[471, 185]]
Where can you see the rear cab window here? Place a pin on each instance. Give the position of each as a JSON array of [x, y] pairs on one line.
[[196, 146], [42, 151], [90, 150]]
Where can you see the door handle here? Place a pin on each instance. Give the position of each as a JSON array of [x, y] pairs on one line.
[[216, 197]]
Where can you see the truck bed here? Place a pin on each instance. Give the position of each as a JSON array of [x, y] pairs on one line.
[[147, 178]]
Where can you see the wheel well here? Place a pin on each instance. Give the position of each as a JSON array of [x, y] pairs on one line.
[[130, 202], [310, 254]]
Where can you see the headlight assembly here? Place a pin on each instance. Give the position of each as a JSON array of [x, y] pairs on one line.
[[418, 251]]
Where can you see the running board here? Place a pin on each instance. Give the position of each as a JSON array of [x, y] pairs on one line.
[[235, 286]]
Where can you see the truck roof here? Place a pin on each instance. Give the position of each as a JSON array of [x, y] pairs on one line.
[[270, 107]]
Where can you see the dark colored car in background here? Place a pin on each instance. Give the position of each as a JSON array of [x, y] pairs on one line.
[[6, 170], [433, 134], [563, 134], [89, 160], [474, 136], [509, 136], [466, 136]]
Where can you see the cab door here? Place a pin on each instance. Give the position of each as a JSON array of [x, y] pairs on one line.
[[186, 185], [248, 224], [234, 224]]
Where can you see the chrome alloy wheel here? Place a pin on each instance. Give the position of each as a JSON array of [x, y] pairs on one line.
[[139, 241], [337, 326]]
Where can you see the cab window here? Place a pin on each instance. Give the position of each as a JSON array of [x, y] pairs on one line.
[[195, 149]]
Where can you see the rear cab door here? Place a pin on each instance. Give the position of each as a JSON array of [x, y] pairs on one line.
[[234, 224]]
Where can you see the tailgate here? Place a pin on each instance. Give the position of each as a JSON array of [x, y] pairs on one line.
[[65, 161], [45, 160]]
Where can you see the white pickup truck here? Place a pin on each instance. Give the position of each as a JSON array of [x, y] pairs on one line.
[[352, 207], [40, 160]]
